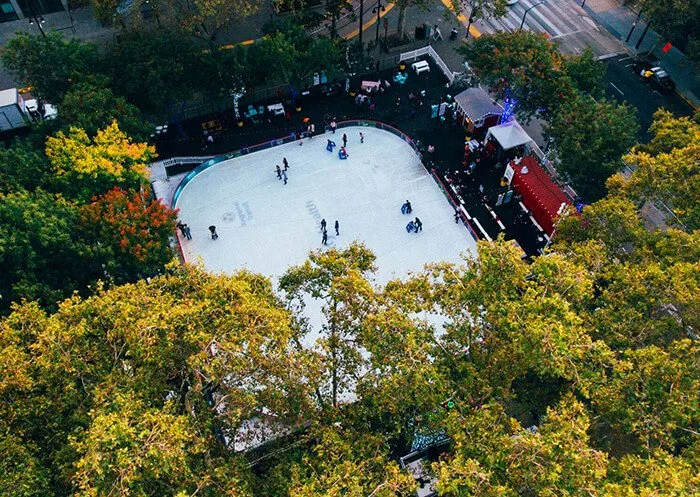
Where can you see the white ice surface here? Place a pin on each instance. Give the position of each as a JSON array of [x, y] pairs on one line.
[[266, 226]]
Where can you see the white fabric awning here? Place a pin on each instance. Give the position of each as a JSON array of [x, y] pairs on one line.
[[509, 135]]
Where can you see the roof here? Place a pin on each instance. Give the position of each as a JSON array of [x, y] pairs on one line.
[[540, 193], [8, 97], [509, 135], [476, 103]]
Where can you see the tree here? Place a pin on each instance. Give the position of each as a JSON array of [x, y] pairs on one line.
[[590, 138], [132, 233], [668, 168], [92, 166], [652, 394], [23, 168], [336, 280], [478, 9], [154, 70], [49, 64], [92, 107], [204, 18], [41, 253], [677, 22], [528, 68]]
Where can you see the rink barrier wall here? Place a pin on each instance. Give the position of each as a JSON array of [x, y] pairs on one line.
[[231, 155], [455, 205], [293, 137]]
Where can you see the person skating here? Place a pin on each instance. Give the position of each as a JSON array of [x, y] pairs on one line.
[[409, 209], [410, 227], [362, 137], [214, 234], [284, 177], [343, 153], [279, 171], [286, 164], [456, 216], [330, 145], [323, 225], [337, 228], [345, 140], [324, 239], [181, 227], [419, 225], [187, 232]]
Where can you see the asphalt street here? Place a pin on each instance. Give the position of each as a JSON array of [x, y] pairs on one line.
[[624, 84]]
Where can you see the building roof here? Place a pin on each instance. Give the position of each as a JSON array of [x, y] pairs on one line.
[[509, 135], [476, 103], [8, 97], [540, 194]]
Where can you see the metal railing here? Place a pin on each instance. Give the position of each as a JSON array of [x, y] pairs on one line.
[[429, 51]]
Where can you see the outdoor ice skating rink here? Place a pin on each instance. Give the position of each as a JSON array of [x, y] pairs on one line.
[[266, 226]]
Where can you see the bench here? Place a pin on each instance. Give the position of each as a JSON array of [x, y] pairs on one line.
[[421, 66]]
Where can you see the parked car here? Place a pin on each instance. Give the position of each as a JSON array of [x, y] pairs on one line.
[[652, 73]]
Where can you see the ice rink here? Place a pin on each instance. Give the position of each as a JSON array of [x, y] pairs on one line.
[[267, 226]]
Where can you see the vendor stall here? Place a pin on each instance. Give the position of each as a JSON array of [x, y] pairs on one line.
[[509, 135], [540, 194], [476, 110]]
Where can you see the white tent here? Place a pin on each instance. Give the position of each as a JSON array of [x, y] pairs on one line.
[[509, 135]]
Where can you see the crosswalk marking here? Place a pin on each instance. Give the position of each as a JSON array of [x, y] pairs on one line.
[[556, 18]]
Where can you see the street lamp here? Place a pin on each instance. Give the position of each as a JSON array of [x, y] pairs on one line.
[[528, 10], [34, 19], [378, 10]]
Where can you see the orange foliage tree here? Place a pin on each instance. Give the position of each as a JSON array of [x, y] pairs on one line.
[[133, 232]]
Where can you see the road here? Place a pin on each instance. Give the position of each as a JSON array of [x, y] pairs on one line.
[[623, 84], [563, 21]]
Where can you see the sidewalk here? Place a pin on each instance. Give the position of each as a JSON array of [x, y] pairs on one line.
[[618, 20]]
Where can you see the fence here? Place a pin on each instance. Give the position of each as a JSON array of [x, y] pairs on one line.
[[455, 204], [420, 52]]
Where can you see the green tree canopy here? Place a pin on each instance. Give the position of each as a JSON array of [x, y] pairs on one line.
[[590, 138], [49, 65]]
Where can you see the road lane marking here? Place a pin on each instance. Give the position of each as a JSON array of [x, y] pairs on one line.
[[613, 85]]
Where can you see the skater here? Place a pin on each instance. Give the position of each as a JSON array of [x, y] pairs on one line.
[[343, 153], [284, 177], [214, 234], [278, 171], [409, 209], [188, 232], [345, 140], [362, 137], [181, 227], [286, 164], [456, 216], [410, 227], [330, 145], [333, 126], [418, 224], [324, 240], [323, 225], [337, 228]]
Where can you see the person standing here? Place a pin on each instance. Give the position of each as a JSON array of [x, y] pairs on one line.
[[337, 228], [418, 224], [214, 234], [284, 177], [187, 232], [286, 164], [456, 216], [362, 137], [279, 171], [323, 225], [345, 140], [181, 227], [324, 240], [333, 126], [409, 209]]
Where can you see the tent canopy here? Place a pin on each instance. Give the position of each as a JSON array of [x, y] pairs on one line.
[[476, 104], [509, 135], [540, 194]]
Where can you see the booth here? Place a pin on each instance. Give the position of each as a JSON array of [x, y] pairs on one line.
[[509, 135], [476, 110], [540, 194]]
